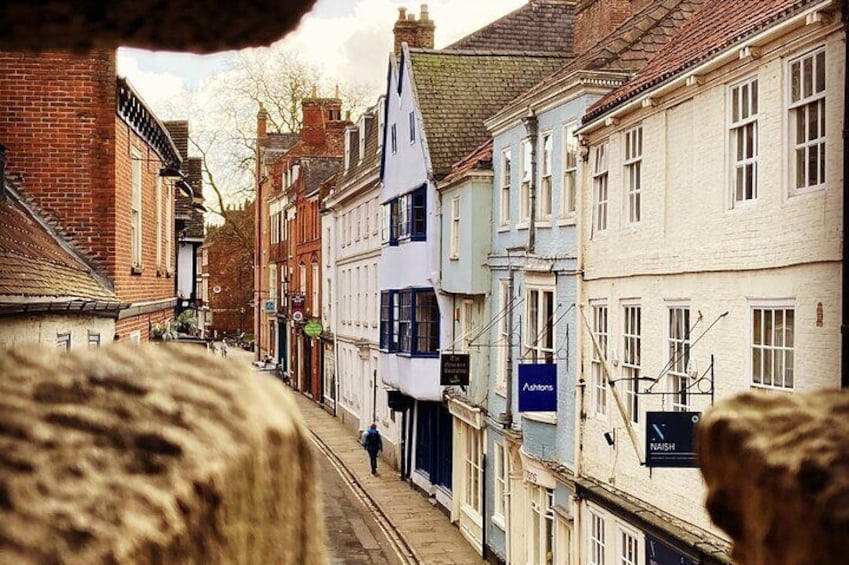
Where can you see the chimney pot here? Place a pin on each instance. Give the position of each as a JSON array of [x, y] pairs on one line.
[[425, 15], [411, 17], [402, 13]]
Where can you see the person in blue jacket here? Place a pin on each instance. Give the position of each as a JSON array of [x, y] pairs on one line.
[[373, 443]]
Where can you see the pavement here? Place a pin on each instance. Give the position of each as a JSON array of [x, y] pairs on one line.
[[426, 530]]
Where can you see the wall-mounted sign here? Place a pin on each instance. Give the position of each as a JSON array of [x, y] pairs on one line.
[[454, 369], [669, 439], [537, 387], [297, 301], [313, 328], [270, 307], [658, 553]]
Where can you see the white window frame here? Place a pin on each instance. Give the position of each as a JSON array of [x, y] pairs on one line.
[[159, 222], [742, 153], [601, 332], [500, 485], [506, 178], [538, 324], [569, 186], [545, 187], [627, 546], [596, 543], [541, 545], [806, 102], [93, 339], [169, 226], [63, 341], [632, 176], [631, 363], [136, 210], [394, 139], [678, 344], [454, 255], [525, 155], [774, 349], [135, 337], [472, 458], [412, 128], [601, 188], [316, 283]]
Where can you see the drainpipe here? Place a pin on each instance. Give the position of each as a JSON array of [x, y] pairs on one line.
[[844, 333], [508, 413], [483, 506], [531, 127]]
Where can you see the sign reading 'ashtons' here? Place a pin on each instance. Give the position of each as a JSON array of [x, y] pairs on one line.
[[669, 439], [537, 387]]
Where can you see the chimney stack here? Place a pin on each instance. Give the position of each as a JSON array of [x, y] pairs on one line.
[[414, 32], [596, 19], [261, 122]]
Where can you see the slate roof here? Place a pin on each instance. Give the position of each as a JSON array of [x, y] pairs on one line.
[[316, 170], [544, 26], [629, 47], [458, 90], [371, 159], [717, 25], [277, 144], [192, 167], [35, 263], [478, 160]]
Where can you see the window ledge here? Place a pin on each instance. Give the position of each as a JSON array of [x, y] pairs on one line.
[[522, 225], [541, 417], [454, 258], [544, 224], [498, 522], [503, 228], [136, 270], [566, 222]]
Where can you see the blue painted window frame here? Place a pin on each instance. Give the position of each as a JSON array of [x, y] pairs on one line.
[[401, 320]]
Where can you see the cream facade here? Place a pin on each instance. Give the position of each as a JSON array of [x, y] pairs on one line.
[[60, 331], [711, 221]]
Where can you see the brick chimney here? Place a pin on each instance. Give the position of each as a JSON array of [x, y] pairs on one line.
[[414, 32], [595, 19], [317, 114], [261, 122]]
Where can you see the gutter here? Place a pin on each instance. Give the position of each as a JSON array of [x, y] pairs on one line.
[[681, 78]]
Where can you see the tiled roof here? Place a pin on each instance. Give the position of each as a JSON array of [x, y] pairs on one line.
[[371, 159], [458, 90], [478, 160], [539, 25], [316, 170], [281, 141], [179, 131], [717, 25], [34, 264], [194, 171], [629, 47]]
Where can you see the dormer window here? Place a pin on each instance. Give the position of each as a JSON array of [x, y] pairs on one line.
[[350, 134], [381, 108]]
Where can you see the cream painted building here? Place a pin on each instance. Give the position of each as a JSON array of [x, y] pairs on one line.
[[711, 221]]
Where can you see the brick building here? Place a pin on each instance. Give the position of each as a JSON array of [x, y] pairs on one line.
[[229, 272], [101, 168], [289, 236]]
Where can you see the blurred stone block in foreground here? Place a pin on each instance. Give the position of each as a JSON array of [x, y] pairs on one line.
[[777, 472], [152, 454]]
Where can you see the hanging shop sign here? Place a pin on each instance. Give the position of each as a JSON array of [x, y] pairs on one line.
[[658, 553], [454, 369], [537, 387], [313, 328], [669, 439], [297, 301]]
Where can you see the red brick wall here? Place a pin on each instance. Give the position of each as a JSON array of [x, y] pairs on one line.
[[229, 267], [57, 119], [143, 324], [595, 19], [154, 282]]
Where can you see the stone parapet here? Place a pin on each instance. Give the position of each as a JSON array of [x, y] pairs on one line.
[[152, 454], [777, 472]]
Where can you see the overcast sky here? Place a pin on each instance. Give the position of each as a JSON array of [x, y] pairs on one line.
[[349, 40]]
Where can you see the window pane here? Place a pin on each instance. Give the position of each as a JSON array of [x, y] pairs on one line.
[[795, 82], [820, 72], [808, 76], [800, 168], [744, 94], [754, 97]]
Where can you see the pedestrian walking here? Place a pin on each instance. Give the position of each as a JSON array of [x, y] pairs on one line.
[[373, 443], [224, 348]]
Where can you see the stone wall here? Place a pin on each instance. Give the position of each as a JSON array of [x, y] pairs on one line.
[[153, 454], [777, 472]]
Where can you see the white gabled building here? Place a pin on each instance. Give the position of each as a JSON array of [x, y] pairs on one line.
[[436, 103], [351, 239], [712, 231]]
